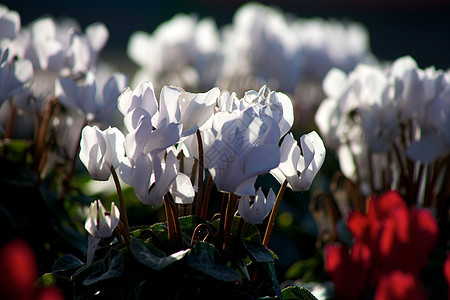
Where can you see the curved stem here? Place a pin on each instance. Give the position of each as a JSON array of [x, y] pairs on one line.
[[273, 214], [123, 210]]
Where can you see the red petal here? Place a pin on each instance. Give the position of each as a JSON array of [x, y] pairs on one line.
[[18, 270], [399, 286]]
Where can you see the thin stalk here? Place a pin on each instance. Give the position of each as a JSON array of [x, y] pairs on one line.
[[170, 224], [174, 223], [74, 161], [10, 124], [198, 208], [229, 217], [123, 210], [205, 202], [273, 214], [42, 133], [223, 210]]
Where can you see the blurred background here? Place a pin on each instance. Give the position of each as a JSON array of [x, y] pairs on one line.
[[396, 28]]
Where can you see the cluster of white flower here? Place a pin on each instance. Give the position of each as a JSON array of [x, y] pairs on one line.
[[47, 60], [261, 46], [236, 139], [387, 122]]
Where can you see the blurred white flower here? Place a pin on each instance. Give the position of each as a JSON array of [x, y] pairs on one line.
[[182, 51], [88, 97], [298, 165], [260, 45], [259, 209], [13, 76], [101, 150]]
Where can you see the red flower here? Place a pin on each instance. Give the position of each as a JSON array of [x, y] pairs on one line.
[[390, 241], [447, 273], [348, 270], [18, 274], [399, 286]]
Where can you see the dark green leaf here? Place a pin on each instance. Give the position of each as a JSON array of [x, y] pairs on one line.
[[153, 258], [204, 257], [297, 292], [67, 263], [270, 268], [258, 252], [115, 269]]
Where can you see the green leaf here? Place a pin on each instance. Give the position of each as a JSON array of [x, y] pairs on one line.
[[153, 258], [67, 263], [115, 269], [204, 257], [48, 279], [258, 252], [270, 269], [297, 292]]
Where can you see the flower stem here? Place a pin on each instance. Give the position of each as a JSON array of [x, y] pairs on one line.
[[199, 206], [205, 202], [273, 214], [229, 217], [123, 210]]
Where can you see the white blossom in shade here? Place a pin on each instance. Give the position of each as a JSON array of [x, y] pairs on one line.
[[182, 190], [13, 76], [327, 44], [101, 150], [259, 209], [100, 225], [260, 47], [433, 141], [240, 146], [88, 97], [182, 51], [77, 98], [150, 176], [83, 49], [299, 165], [9, 24]]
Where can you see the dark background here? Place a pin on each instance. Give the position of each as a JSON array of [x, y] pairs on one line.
[[396, 28]]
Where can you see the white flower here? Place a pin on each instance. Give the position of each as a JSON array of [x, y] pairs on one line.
[[150, 176], [240, 146], [13, 76], [88, 98], [9, 23], [300, 168], [100, 225], [101, 150], [182, 190], [260, 208]]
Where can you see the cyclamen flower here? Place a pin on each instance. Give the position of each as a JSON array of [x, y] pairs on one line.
[[390, 241], [87, 97], [100, 225], [259, 209], [150, 176], [299, 169], [101, 150], [151, 127], [13, 76], [240, 146]]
